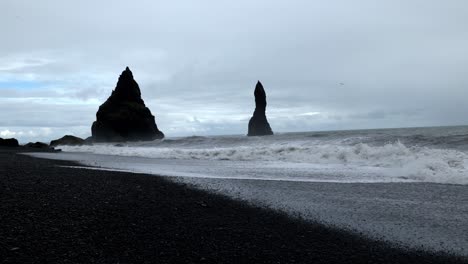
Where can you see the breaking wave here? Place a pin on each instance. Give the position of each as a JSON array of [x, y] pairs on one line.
[[395, 159]]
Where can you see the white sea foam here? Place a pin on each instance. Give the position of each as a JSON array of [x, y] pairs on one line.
[[395, 161]]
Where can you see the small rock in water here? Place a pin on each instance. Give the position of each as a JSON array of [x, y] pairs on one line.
[[40, 145], [67, 140]]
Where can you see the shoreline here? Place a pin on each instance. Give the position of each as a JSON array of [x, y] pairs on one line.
[[416, 215], [52, 213]]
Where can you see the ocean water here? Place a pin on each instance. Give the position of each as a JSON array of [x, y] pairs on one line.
[[434, 154]]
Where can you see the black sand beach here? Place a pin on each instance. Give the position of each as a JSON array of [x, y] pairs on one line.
[[51, 214]]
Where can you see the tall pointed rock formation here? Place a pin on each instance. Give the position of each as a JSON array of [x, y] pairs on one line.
[[124, 116], [258, 124]]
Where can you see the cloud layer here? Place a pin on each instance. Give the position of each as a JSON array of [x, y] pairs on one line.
[[324, 64]]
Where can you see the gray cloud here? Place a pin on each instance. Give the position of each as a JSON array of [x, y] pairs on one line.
[[357, 64]]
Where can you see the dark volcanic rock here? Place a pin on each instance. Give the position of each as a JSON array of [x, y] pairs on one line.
[[40, 145], [67, 140], [8, 142], [88, 141], [258, 124], [124, 116]]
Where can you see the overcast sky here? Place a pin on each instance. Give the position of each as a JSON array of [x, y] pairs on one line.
[[324, 64]]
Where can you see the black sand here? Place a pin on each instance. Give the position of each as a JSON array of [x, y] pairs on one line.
[[50, 214]]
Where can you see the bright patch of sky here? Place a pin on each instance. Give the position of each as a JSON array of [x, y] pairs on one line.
[[19, 84]]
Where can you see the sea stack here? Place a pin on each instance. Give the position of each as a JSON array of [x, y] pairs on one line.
[[124, 116], [258, 124]]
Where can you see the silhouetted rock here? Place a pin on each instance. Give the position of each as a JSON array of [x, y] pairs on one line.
[[67, 140], [258, 124], [40, 145], [88, 141], [124, 116], [8, 142]]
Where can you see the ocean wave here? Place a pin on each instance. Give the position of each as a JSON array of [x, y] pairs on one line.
[[393, 159]]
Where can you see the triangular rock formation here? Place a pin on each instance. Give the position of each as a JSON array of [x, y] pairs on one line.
[[124, 116], [258, 124]]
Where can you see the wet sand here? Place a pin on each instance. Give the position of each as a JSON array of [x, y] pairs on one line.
[[56, 214], [415, 215]]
